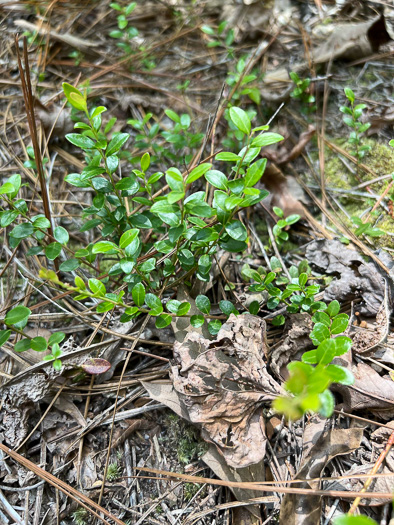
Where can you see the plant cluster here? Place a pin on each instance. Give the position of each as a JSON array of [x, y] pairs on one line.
[[113, 471], [188, 230], [302, 93], [245, 82], [279, 230], [185, 233], [124, 33], [220, 37], [310, 379], [366, 228], [185, 438], [80, 516], [352, 118], [181, 137]]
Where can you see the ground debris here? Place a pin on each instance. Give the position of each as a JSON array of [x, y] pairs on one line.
[[320, 446], [355, 278]]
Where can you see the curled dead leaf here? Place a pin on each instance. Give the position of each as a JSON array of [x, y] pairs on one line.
[[95, 366], [223, 385]]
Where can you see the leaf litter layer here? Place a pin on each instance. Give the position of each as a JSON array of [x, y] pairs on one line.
[[150, 65]]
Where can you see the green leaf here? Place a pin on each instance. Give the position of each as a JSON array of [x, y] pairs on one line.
[[172, 115], [186, 259], [168, 213], [217, 179], [57, 365], [207, 30], [319, 333], [128, 237], [97, 287], [39, 344], [106, 306], [227, 156], [17, 315], [204, 264], [69, 265], [240, 119], [354, 520], [195, 205], [227, 307], [154, 303], [214, 326], [74, 96], [237, 230], [97, 111], [184, 308], [6, 188], [279, 320], [8, 217], [4, 336], [321, 317], [56, 338], [333, 308], [203, 304], [303, 279], [53, 250], [233, 246], [237, 186], [327, 403], [145, 161], [175, 196], [116, 143], [41, 222], [163, 320], [349, 94], [339, 323], [198, 172], [340, 374], [326, 351], [104, 247], [342, 345], [22, 231], [22, 346], [78, 180], [138, 294], [255, 172], [79, 283], [291, 219], [34, 250], [175, 180], [232, 202], [197, 320], [148, 266], [266, 139], [61, 235], [80, 141], [173, 305], [16, 181], [254, 307], [310, 357], [129, 184]]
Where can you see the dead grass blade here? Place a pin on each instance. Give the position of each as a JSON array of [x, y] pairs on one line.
[[266, 488]]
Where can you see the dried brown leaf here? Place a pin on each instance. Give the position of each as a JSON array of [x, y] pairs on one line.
[[380, 484], [321, 445], [223, 384], [370, 390]]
